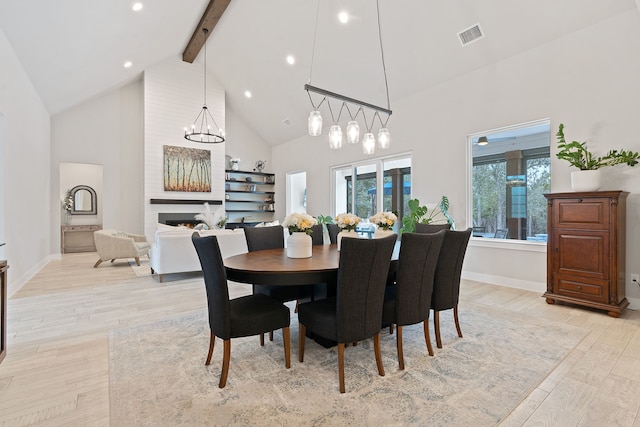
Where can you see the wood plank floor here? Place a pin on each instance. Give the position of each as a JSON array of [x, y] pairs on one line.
[[56, 369]]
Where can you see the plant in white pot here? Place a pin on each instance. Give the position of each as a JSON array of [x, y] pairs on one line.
[[578, 155]]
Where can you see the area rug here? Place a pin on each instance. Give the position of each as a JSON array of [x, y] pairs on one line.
[[158, 376]]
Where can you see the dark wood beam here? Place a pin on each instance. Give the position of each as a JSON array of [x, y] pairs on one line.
[[209, 19]]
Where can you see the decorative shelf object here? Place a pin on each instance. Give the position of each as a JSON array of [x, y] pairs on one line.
[[249, 192]]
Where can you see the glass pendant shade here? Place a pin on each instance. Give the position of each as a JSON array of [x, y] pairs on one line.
[[384, 138], [315, 123], [368, 143], [335, 137], [353, 132]]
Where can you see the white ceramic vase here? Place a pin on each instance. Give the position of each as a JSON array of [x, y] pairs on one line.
[[299, 245], [585, 180], [382, 233], [346, 234]]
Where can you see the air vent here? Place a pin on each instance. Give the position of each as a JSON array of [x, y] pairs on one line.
[[470, 35], [287, 122]]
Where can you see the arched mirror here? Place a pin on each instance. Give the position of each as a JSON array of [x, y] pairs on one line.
[[85, 201]]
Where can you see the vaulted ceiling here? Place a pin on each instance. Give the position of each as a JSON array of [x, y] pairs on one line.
[[74, 50]]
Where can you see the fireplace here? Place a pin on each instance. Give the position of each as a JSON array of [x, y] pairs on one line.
[[180, 218]]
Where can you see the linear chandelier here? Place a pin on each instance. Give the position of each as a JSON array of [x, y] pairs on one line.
[[201, 129], [351, 105]]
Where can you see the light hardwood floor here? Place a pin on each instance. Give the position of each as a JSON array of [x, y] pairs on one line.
[[56, 369]]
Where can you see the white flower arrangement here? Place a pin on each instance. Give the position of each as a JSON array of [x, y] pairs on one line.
[[347, 221], [299, 222], [213, 220], [384, 220], [67, 202]]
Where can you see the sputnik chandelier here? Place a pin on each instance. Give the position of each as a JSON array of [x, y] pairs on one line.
[[200, 130], [354, 109]]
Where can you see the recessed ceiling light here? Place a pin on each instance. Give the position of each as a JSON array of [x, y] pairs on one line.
[[137, 7], [128, 64], [291, 60], [247, 94], [343, 17]]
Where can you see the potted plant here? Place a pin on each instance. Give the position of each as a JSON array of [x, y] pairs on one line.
[[578, 155], [422, 214]]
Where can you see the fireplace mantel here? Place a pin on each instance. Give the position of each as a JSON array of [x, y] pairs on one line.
[[183, 202]]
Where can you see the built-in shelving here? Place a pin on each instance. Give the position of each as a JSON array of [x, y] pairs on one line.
[[249, 192]]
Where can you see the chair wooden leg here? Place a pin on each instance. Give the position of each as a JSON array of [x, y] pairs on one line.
[[261, 340], [399, 347], [270, 335], [287, 347], [295, 310], [137, 261], [390, 328], [97, 263], [427, 338], [212, 341], [455, 318], [376, 350], [225, 363], [302, 331], [113, 260], [436, 326], [341, 366]]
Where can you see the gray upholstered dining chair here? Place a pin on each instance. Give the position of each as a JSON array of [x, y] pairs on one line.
[[333, 230], [431, 228], [355, 313], [261, 238], [317, 235], [239, 317], [409, 301], [446, 281]]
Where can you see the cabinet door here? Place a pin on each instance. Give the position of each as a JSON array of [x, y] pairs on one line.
[[581, 253], [584, 214]]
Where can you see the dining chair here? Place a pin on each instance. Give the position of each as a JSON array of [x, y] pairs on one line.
[[262, 238], [333, 230], [431, 228], [446, 281], [240, 317], [409, 301], [317, 235], [355, 313]]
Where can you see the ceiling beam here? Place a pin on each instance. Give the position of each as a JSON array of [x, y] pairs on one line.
[[209, 19]]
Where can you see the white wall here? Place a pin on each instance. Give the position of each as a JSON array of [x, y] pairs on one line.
[[108, 131], [587, 80], [25, 172]]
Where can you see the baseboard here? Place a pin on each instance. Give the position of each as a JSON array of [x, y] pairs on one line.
[[634, 303], [16, 284], [506, 281]]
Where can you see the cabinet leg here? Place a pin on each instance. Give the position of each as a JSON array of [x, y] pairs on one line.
[[550, 301], [613, 314]]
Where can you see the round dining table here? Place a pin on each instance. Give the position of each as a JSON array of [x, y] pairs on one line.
[[273, 267]]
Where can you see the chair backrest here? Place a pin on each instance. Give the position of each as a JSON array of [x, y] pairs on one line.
[[501, 233], [317, 236], [261, 238], [414, 279], [215, 281], [446, 282], [362, 276], [431, 228], [333, 230]]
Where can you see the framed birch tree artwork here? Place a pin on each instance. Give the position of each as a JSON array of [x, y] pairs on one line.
[[187, 169]]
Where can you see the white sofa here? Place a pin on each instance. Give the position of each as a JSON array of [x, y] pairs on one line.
[[173, 252]]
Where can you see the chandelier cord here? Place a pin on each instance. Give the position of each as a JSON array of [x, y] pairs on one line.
[[205, 31], [384, 68], [315, 34]]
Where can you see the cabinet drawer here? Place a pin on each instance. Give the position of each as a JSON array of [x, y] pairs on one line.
[[582, 289], [587, 213]]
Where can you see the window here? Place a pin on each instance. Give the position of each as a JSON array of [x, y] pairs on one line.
[[356, 187], [509, 175]]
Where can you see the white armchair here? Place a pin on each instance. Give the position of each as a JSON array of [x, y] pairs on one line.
[[114, 244]]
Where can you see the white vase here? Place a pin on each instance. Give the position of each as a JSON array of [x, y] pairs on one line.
[[585, 180], [382, 233], [234, 166], [299, 245], [346, 234]]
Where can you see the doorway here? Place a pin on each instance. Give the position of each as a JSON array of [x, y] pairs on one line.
[[296, 192]]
